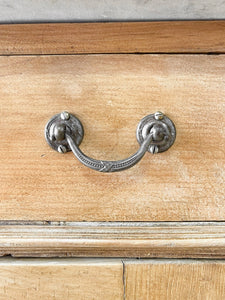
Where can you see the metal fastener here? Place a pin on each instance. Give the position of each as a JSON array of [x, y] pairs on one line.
[[65, 115], [153, 149], [158, 115], [62, 149]]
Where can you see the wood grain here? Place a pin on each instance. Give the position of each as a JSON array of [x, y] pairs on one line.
[[175, 280], [110, 94], [111, 279], [114, 239], [120, 37], [61, 279]]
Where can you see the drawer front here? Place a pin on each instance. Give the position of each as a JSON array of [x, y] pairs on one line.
[[110, 94]]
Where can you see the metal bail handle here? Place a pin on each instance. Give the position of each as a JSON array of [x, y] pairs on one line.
[[155, 133]]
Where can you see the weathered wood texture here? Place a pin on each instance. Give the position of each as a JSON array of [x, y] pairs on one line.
[[109, 239], [110, 94], [174, 280], [130, 37], [61, 279], [111, 279]]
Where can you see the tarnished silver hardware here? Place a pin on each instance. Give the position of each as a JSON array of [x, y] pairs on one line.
[[162, 128], [155, 133], [58, 126]]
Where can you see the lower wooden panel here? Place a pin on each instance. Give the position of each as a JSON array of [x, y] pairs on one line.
[[175, 280], [101, 279], [60, 279]]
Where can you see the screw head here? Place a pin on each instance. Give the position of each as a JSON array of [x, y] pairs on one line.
[[62, 149], [64, 115], [154, 149], [158, 115]]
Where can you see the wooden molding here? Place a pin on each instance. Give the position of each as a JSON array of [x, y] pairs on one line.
[[114, 239], [117, 37]]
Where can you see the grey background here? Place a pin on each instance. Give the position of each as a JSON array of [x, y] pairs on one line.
[[20, 11]]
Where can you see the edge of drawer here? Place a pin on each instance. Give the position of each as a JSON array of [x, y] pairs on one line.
[[113, 37]]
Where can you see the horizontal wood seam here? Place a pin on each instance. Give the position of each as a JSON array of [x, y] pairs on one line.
[[118, 53]]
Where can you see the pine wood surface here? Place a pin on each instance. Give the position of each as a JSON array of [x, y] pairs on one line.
[[113, 239], [117, 37], [111, 279], [110, 94], [174, 280], [57, 279]]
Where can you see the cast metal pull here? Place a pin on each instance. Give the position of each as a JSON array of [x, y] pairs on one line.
[[155, 133]]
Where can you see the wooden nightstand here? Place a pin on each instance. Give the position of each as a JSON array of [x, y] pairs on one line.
[[167, 208]]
